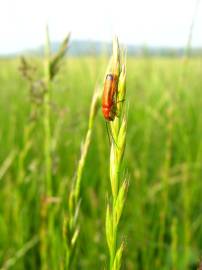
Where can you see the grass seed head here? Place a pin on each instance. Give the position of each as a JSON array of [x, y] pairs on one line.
[[116, 57]]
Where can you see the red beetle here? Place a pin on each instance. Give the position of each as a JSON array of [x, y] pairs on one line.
[[109, 97]]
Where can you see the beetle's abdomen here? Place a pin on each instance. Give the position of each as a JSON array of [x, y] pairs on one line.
[[108, 113]]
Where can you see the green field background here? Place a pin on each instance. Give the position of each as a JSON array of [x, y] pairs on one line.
[[162, 219]]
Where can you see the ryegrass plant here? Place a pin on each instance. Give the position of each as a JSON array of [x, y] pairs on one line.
[[71, 222], [118, 186], [51, 68]]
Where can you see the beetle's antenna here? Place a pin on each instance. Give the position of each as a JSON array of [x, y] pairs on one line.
[[109, 134]]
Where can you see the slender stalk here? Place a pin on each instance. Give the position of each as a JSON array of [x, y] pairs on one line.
[[71, 223], [51, 68], [165, 183], [186, 217], [47, 130], [118, 187], [47, 188], [189, 41]]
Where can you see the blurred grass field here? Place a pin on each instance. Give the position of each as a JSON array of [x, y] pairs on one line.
[[162, 220]]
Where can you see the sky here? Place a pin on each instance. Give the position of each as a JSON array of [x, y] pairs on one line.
[[138, 22]]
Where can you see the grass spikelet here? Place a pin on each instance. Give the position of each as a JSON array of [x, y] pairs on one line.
[[118, 186]]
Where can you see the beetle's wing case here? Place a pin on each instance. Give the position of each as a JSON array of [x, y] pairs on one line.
[[107, 98], [114, 88]]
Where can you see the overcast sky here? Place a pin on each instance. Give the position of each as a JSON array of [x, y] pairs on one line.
[[139, 22]]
